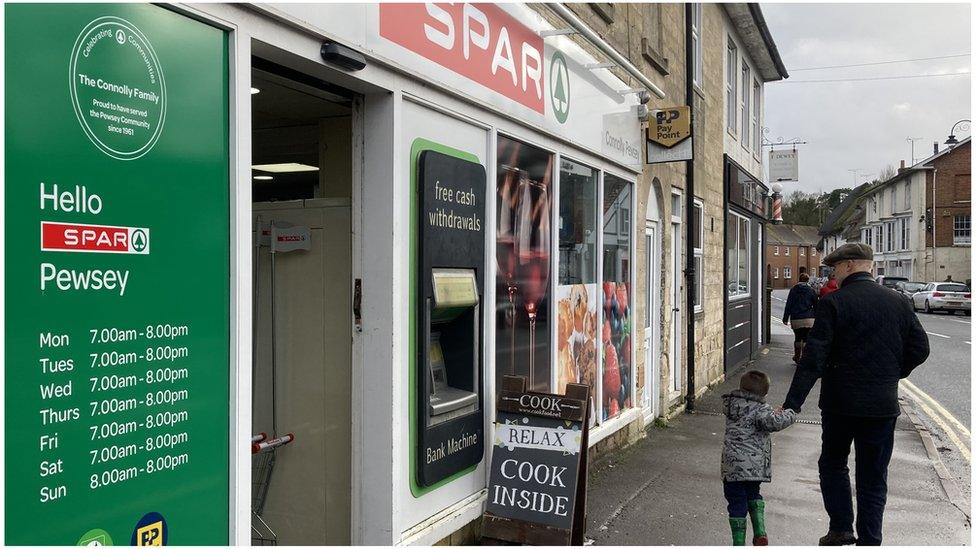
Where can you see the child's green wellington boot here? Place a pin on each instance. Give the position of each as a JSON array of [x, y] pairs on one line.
[[757, 512], [738, 525]]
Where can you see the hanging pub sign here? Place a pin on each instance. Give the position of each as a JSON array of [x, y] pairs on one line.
[[669, 135], [537, 483], [784, 165]]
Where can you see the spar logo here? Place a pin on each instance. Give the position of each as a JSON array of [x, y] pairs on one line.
[[559, 87], [73, 237]]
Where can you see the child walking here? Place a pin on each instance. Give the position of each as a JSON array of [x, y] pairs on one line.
[[747, 453]]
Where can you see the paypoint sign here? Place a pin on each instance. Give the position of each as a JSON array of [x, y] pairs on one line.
[[116, 277]]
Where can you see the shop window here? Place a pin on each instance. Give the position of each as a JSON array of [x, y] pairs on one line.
[[731, 71], [961, 229], [523, 246], [698, 236], [737, 253], [617, 371], [577, 294]]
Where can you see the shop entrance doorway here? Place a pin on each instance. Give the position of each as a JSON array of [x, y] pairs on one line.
[[302, 162]]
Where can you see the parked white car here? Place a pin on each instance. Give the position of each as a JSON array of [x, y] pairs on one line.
[[943, 296]]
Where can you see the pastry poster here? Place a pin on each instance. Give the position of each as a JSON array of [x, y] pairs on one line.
[[576, 336]]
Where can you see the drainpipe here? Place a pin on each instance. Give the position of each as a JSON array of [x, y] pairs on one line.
[[689, 228], [579, 26], [935, 262]]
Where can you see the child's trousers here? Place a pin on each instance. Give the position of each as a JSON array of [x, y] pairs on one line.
[[739, 494]]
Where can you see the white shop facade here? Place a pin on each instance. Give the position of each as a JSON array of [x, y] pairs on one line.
[[468, 182]]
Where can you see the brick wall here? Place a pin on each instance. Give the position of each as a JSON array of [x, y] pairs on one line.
[[953, 192], [807, 262]]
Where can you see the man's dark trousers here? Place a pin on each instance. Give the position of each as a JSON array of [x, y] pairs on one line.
[[873, 439]]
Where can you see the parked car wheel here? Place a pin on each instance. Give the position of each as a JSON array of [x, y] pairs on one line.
[[928, 309], [968, 313]]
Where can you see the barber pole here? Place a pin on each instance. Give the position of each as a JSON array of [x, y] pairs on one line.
[[777, 189]]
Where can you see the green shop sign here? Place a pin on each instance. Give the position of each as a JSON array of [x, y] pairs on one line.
[[117, 277]]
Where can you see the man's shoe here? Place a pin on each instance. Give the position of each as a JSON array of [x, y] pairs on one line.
[[838, 538]]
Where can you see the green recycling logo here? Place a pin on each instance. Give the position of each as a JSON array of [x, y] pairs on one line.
[[559, 86]]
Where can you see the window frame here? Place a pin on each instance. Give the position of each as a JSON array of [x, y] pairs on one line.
[[787, 272], [787, 251], [735, 246], [731, 86], [746, 75], [776, 272], [756, 109], [962, 235], [696, 45]]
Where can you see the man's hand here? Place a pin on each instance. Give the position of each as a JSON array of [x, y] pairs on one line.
[[778, 409]]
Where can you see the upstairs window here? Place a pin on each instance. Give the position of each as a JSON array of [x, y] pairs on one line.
[[756, 109], [744, 105], [961, 229], [696, 44], [731, 72]]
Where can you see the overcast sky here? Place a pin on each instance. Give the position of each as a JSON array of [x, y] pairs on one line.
[[864, 125]]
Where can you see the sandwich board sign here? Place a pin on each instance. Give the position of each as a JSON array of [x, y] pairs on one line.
[[537, 479], [669, 136]]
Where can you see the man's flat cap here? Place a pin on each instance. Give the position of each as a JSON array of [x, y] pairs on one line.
[[854, 250]]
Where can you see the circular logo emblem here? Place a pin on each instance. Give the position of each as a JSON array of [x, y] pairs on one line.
[[139, 240], [559, 87], [95, 537], [117, 88], [150, 530]]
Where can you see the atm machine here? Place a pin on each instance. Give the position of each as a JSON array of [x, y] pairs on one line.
[[449, 392]]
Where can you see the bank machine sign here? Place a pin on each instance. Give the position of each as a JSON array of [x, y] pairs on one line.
[[116, 277]]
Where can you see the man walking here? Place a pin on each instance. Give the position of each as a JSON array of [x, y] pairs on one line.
[[864, 340]]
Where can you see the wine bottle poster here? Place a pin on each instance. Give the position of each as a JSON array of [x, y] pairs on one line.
[[523, 236], [576, 334]]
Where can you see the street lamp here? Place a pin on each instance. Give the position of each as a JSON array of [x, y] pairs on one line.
[[952, 141]]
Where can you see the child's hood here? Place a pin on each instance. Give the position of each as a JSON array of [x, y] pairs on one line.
[[738, 403]]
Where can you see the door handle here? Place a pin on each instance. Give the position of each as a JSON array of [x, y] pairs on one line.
[[675, 310], [357, 304]]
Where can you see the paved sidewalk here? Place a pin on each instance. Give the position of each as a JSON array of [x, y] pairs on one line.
[[667, 490]]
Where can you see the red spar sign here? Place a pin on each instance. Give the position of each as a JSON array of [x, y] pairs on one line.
[[73, 237], [481, 42]]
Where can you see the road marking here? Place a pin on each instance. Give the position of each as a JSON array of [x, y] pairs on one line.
[[938, 335], [912, 387], [922, 399], [959, 321]]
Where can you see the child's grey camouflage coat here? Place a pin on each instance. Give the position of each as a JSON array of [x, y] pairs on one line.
[[747, 454]]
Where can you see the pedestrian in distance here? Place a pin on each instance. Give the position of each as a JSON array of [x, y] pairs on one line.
[[949, 278], [747, 453], [799, 313], [830, 287], [864, 340]]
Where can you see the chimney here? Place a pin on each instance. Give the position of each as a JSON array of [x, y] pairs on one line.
[[901, 168], [935, 147]]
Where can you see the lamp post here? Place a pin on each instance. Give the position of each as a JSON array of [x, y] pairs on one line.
[[952, 141]]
